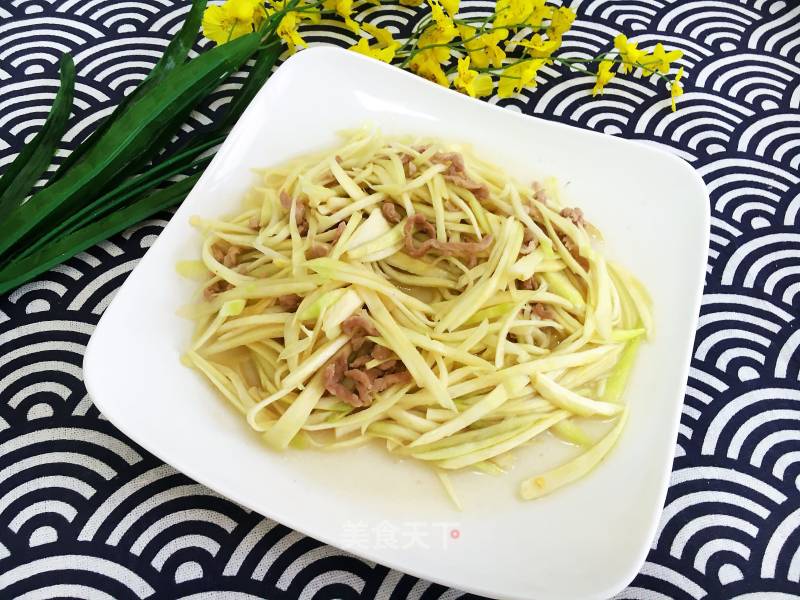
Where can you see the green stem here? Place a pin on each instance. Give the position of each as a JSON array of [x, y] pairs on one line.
[[571, 62], [461, 45]]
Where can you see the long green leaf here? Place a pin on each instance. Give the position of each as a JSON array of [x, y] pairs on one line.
[[34, 159], [262, 69], [23, 270], [128, 138], [174, 56], [130, 188], [178, 49]]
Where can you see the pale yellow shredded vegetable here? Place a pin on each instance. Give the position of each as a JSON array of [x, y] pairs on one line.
[[403, 290]]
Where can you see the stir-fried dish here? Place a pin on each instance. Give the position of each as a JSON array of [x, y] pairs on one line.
[[402, 289]]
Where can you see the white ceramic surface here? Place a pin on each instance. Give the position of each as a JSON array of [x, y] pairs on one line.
[[586, 541]]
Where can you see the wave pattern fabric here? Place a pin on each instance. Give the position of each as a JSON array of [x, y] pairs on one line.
[[86, 513]]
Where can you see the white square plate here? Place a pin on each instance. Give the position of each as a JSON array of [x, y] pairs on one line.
[[586, 541]]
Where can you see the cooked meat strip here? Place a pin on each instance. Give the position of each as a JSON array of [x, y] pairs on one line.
[[352, 324], [529, 247], [360, 361], [527, 284], [480, 190], [529, 242], [317, 250], [299, 211], [254, 222], [574, 251], [575, 215], [339, 231], [333, 377], [389, 210], [363, 385], [358, 341], [381, 353], [339, 376], [231, 258], [456, 173], [452, 160], [468, 250], [539, 193], [218, 253], [527, 236], [216, 288], [387, 381], [544, 311], [413, 222], [290, 302], [409, 166]]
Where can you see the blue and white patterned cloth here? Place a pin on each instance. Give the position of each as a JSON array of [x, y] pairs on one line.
[[86, 513]]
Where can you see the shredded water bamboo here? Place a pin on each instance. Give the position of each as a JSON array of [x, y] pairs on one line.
[[404, 290]]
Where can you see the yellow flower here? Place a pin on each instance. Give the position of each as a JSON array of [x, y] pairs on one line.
[[410, 2], [511, 13], [425, 65], [629, 53], [518, 76], [561, 22], [382, 35], [538, 47], [443, 24], [385, 47], [662, 59], [484, 49], [233, 19], [676, 89], [471, 82], [343, 8], [539, 11], [604, 75], [451, 6], [287, 31], [442, 31], [383, 54]]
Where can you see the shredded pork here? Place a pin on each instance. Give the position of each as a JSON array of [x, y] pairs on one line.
[[575, 215], [231, 258], [346, 372], [317, 250], [299, 211], [467, 250], [456, 173], [543, 311], [290, 302], [339, 231], [389, 210], [216, 288]]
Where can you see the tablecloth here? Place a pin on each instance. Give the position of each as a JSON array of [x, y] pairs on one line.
[[86, 513]]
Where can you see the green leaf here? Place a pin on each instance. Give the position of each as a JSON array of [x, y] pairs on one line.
[[174, 56], [34, 159], [23, 270], [130, 188], [178, 49], [128, 138], [262, 69]]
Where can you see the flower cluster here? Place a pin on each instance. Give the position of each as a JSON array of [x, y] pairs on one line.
[[477, 55]]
